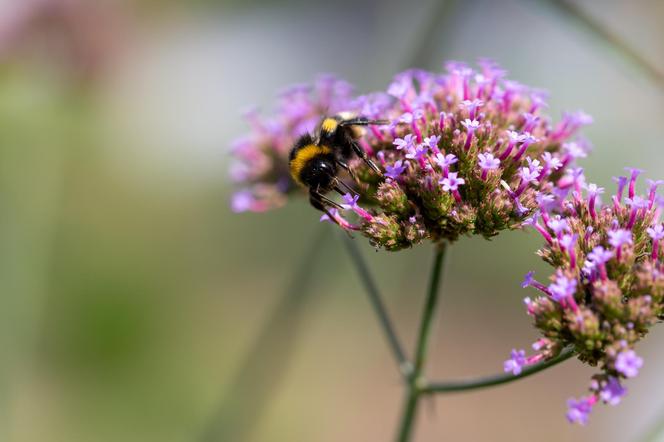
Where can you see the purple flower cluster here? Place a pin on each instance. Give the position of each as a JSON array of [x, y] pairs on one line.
[[607, 289], [466, 152], [261, 157]]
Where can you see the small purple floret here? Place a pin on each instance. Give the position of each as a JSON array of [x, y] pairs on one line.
[[578, 411], [628, 363], [619, 237], [516, 362], [612, 392], [395, 170], [656, 232], [406, 142], [242, 201], [452, 182], [563, 289]]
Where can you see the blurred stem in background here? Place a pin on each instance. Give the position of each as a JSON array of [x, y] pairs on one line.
[[577, 16], [39, 126], [267, 359], [376, 300]]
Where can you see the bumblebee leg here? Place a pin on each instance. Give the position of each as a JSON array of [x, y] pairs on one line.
[[348, 169], [363, 155], [362, 121], [317, 203], [324, 200], [349, 189]]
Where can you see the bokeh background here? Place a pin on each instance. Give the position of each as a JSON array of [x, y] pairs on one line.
[[134, 306]]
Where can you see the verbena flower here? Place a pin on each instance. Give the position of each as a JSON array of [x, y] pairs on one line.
[[466, 152], [607, 289], [260, 163], [579, 410]]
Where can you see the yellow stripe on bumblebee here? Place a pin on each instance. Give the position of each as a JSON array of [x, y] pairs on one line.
[[303, 156]]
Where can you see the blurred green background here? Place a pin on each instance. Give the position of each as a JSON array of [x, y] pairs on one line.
[[136, 307]]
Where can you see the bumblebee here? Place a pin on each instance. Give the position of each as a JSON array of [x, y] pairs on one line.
[[315, 160]]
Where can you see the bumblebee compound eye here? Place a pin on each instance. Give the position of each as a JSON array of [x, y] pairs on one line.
[[320, 174]]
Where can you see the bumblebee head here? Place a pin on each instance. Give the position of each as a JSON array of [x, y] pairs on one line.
[[320, 173]]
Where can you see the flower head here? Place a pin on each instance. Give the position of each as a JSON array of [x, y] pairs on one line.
[[615, 297], [447, 132]]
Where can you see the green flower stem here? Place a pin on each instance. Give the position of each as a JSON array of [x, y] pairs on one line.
[[429, 308], [490, 381], [415, 384], [378, 305], [408, 416]]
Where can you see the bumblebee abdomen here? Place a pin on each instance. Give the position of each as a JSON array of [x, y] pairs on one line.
[[303, 156]]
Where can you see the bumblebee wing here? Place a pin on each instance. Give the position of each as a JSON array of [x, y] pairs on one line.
[[362, 121]]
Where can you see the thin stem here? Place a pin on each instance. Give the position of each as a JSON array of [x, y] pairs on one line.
[[607, 37], [251, 390], [415, 381], [378, 305], [408, 416], [490, 381], [429, 308]]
